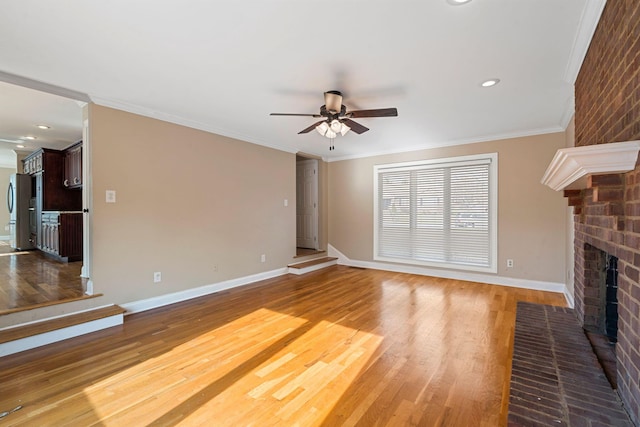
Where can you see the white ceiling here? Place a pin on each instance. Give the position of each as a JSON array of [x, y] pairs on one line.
[[223, 66]]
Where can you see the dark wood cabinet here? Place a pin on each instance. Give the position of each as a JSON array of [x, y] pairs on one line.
[[51, 195], [73, 166], [61, 234], [47, 168]]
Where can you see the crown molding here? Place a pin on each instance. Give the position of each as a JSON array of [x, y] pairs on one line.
[[586, 28]]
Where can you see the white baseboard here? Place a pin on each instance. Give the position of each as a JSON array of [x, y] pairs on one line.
[[450, 274], [39, 340], [162, 300], [569, 297]]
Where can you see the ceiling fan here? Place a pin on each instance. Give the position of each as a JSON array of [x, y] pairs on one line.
[[336, 118]]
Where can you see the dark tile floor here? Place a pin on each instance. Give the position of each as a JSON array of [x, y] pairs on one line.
[[556, 379]]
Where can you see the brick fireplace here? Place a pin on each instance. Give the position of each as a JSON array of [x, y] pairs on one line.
[[607, 223], [607, 208]]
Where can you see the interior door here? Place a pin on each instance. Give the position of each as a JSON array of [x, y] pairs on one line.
[[307, 204]]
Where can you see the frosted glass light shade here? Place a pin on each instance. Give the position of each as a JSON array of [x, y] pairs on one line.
[[322, 128]]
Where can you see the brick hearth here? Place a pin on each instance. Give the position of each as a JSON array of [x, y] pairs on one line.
[[556, 379]]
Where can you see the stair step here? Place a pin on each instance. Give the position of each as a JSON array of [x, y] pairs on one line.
[[46, 331], [312, 262], [312, 265]]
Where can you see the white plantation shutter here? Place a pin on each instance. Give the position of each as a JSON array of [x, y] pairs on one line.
[[438, 213]]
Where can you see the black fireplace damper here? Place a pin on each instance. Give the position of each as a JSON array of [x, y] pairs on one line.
[[603, 334], [611, 303]]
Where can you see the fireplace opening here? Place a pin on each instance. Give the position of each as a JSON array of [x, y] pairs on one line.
[[611, 299], [601, 308]]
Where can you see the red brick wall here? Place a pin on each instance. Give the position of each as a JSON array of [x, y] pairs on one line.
[[607, 95]]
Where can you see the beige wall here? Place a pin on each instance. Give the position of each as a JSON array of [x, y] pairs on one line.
[[5, 173], [531, 216], [186, 200]]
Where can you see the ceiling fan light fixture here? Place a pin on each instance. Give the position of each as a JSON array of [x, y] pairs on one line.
[[330, 134], [333, 101], [344, 129], [336, 126], [322, 128]]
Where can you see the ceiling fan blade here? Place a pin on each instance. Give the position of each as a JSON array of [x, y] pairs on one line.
[[295, 114], [333, 101], [381, 112], [356, 127], [310, 128]]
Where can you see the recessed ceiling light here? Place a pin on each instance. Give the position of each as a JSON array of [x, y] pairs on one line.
[[457, 2], [30, 138], [43, 127], [490, 82], [20, 146]]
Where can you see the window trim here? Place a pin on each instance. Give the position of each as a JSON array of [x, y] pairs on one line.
[[444, 162]]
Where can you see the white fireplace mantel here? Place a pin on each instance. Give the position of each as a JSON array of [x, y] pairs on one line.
[[570, 167]]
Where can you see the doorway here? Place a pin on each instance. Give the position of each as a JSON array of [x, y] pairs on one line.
[[54, 116], [307, 204]]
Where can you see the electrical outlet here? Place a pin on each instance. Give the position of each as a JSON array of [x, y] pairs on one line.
[[509, 263], [215, 268], [263, 258], [157, 277]]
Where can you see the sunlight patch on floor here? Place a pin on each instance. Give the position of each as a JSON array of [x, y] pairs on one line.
[[297, 385], [157, 384], [278, 365]]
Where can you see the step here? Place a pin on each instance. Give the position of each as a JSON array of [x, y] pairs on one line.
[[47, 331], [312, 265]]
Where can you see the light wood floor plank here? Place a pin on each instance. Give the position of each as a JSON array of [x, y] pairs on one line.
[[336, 347]]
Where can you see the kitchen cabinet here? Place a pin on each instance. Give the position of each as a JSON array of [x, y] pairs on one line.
[[73, 166], [46, 168], [61, 235]]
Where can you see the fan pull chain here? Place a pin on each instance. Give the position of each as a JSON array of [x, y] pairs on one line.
[[331, 146]]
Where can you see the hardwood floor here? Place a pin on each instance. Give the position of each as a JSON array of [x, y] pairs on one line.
[[340, 346], [29, 279]]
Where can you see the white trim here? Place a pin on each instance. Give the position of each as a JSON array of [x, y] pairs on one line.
[[5, 237], [571, 166], [569, 111], [87, 203], [172, 298], [586, 28], [450, 274], [569, 298], [451, 143], [39, 340], [43, 87], [159, 115], [89, 290]]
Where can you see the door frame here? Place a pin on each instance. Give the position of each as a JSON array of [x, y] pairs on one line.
[[315, 217], [87, 205]]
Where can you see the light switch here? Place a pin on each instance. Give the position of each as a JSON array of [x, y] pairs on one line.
[[111, 196], [286, 202]]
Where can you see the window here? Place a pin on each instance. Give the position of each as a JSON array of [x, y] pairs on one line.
[[440, 213]]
